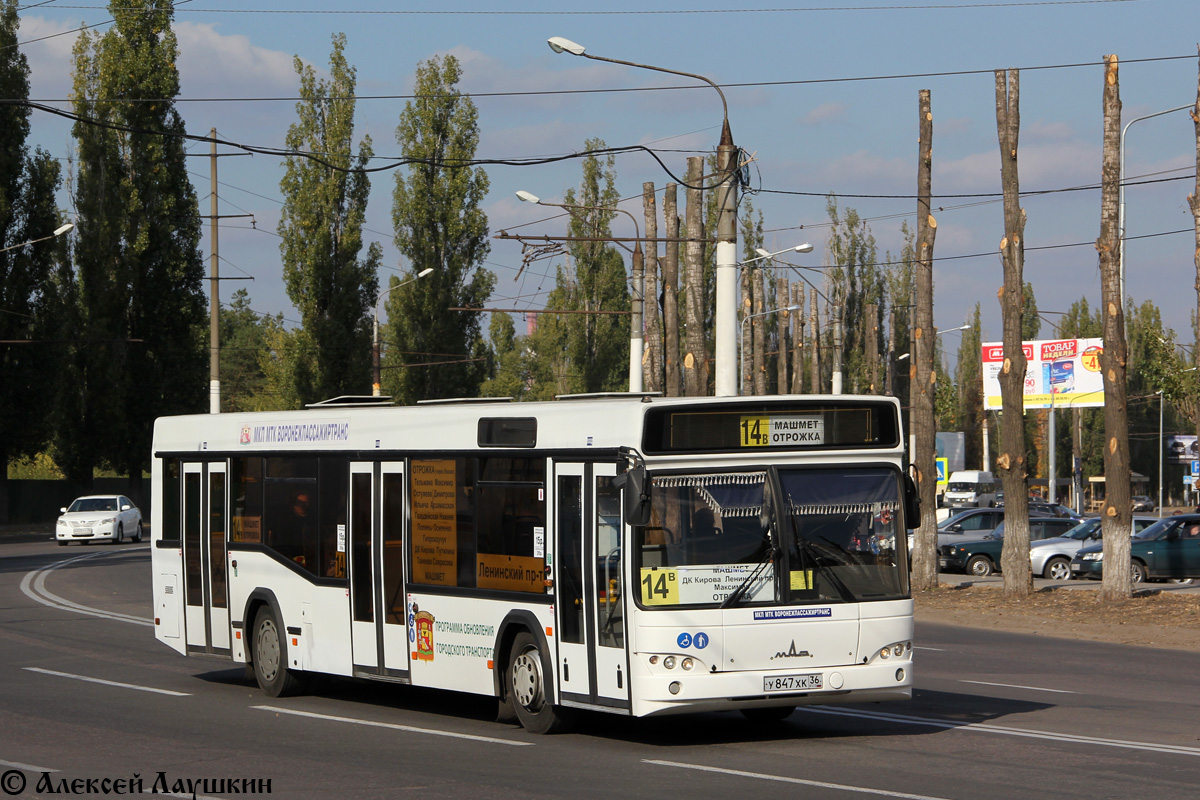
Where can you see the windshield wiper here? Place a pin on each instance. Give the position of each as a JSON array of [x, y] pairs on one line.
[[750, 579]]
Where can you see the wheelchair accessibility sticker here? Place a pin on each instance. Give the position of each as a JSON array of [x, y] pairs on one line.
[[686, 640]]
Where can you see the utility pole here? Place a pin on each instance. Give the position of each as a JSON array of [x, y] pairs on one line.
[[214, 311], [726, 310]]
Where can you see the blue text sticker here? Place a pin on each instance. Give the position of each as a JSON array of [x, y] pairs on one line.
[[684, 640], [701, 641]]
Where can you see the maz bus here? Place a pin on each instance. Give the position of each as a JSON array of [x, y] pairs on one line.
[[623, 553]]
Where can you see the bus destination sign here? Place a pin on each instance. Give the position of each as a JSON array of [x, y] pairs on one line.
[[782, 431]]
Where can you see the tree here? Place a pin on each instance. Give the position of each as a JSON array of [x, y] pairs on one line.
[[243, 340], [857, 283], [325, 202], [510, 373], [1117, 514], [439, 225], [1012, 462], [968, 379], [138, 236], [587, 352], [28, 301]]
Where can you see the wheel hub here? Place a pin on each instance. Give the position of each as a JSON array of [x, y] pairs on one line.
[[527, 680]]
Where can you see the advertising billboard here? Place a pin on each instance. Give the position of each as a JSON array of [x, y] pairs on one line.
[[1064, 373]]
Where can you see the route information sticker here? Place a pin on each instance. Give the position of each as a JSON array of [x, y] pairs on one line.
[[790, 430]]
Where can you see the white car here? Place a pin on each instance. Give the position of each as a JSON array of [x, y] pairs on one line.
[[109, 517]]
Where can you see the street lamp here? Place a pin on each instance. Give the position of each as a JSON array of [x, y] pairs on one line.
[[742, 337], [1121, 193], [375, 338], [636, 335], [59, 231], [726, 311]]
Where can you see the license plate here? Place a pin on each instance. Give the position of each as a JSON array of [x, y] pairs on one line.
[[792, 683], [83, 531]]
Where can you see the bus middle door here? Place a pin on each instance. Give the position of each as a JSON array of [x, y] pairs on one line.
[[205, 515]]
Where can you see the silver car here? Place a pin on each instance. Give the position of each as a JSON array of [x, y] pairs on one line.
[[101, 517], [1051, 558]]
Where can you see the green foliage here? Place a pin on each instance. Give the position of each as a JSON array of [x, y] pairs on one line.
[[587, 352], [435, 352], [968, 379], [243, 336], [140, 350], [29, 304], [510, 377], [321, 229]]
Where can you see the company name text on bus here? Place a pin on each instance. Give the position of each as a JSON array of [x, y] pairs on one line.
[[297, 433]]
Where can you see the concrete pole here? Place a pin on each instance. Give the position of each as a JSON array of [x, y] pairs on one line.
[[214, 296], [725, 384]]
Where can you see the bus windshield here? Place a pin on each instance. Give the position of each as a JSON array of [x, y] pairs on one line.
[[829, 537]]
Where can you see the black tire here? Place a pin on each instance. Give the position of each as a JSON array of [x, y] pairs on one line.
[[137, 537], [120, 534], [526, 685], [980, 566], [1057, 569], [1138, 572], [269, 654], [767, 716]]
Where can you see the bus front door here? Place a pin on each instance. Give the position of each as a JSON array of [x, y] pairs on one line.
[[379, 631], [592, 662], [205, 534]]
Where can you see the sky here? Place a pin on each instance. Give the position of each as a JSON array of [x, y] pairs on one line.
[[822, 95]]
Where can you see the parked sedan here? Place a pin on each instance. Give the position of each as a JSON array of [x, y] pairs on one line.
[[101, 517], [1168, 549], [1051, 558], [982, 558]]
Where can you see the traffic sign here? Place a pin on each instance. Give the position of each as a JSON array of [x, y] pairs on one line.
[[943, 464]]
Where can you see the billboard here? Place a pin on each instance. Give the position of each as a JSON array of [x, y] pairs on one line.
[[1064, 373], [1181, 448]]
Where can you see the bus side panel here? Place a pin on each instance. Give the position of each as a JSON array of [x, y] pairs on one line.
[[316, 618], [168, 598], [452, 639]]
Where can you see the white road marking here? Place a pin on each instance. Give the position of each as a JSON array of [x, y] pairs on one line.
[[393, 726], [34, 587], [932, 649], [1002, 730], [781, 779], [107, 683], [1018, 686], [25, 767]]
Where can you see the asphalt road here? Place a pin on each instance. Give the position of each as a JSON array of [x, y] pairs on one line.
[[86, 693]]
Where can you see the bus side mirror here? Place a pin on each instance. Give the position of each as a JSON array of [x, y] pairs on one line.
[[912, 503], [637, 495]]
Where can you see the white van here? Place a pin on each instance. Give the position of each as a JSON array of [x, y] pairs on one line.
[[970, 488]]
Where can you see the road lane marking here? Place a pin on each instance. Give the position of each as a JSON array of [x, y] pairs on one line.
[[392, 726], [25, 767], [1002, 730], [33, 585], [1017, 686], [933, 649], [782, 779], [86, 679]]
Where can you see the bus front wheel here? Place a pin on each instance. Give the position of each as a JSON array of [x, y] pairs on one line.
[[270, 657], [527, 688]]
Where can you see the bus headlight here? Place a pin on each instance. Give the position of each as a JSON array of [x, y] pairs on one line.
[[896, 649], [687, 663], [669, 662]]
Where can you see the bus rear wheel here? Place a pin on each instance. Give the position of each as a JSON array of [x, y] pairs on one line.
[[527, 687], [270, 657]]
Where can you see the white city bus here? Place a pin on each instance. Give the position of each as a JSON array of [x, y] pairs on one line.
[[629, 554]]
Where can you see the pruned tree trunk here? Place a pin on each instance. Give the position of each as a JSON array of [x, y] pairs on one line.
[[652, 372], [798, 339], [890, 380], [670, 277], [922, 375], [784, 318], [1011, 463], [758, 327], [814, 324], [695, 358], [872, 331], [1116, 515], [745, 309]]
